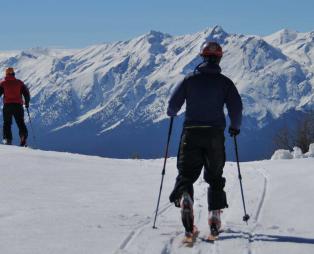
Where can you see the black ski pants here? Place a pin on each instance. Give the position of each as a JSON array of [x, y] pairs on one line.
[[17, 111], [201, 147]]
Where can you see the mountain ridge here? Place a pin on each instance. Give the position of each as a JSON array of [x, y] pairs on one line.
[[122, 86]]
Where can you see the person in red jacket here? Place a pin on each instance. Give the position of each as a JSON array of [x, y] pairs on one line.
[[13, 89]]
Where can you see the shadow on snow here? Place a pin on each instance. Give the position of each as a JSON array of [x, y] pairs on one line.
[[231, 234]]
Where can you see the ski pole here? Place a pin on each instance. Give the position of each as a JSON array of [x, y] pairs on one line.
[[30, 122], [246, 217], [163, 170]]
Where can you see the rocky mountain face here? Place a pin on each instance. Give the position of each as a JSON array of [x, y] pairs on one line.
[[110, 99]]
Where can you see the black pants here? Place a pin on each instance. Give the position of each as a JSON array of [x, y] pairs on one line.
[[201, 146], [17, 111]]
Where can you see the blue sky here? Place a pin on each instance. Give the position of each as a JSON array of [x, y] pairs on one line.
[[73, 24]]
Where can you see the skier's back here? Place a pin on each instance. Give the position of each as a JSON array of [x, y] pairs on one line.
[[205, 92]]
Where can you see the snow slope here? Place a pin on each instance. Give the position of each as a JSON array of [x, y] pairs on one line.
[[67, 203], [117, 93]]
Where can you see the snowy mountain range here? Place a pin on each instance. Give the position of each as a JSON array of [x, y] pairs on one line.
[[110, 99]]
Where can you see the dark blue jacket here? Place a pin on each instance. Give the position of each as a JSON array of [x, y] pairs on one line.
[[205, 92]]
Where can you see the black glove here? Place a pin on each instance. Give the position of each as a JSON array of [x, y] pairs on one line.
[[26, 105], [171, 112], [233, 132]]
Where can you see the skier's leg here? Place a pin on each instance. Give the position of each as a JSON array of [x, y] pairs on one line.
[[190, 163], [187, 215], [214, 163], [19, 119], [7, 122]]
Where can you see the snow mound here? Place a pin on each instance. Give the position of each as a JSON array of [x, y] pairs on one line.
[[282, 154], [297, 153], [310, 153]]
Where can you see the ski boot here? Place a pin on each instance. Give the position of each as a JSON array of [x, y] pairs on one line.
[[187, 217], [23, 141], [7, 141], [214, 222]]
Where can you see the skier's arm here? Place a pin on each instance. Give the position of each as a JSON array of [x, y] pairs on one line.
[[177, 99], [26, 95], [1, 91], [234, 106]]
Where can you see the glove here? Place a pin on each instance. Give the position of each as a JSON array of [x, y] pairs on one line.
[[171, 112], [233, 132], [27, 105]]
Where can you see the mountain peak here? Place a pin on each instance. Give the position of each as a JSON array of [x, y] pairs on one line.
[[217, 33], [283, 36], [153, 34], [218, 30]]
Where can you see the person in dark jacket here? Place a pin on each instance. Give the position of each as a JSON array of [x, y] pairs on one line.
[[13, 89], [205, 93]]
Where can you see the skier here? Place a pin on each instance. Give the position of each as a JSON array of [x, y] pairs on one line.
[[205, 92], [13, 89]]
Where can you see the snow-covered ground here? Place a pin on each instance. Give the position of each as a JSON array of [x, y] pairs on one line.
[[66, 203]]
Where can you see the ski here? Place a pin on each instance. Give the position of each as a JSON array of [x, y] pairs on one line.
[[212, 238], [189, 239]]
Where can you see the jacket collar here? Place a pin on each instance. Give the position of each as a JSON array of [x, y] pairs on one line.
[[9, 77], [210, 68]]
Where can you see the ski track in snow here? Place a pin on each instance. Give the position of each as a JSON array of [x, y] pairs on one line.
[[250, 234], [175, 242], [217, 246], [261, 203], [174, 245], [136, 232], [259, 210]]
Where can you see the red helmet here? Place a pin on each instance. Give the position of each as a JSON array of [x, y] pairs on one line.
[[211, 48]]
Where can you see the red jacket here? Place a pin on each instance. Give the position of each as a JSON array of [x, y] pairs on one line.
[[13, 89]]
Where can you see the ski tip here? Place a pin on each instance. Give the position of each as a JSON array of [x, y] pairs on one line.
[[209, 239], [188, 241], [212, 238]]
